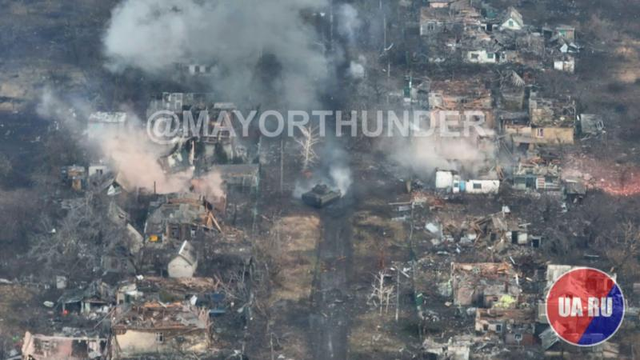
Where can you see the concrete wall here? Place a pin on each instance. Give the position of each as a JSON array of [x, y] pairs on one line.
[[555, 135], [133, 343], [180, 268]]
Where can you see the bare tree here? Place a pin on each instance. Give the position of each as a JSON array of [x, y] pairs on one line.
[[310, 137], [623, 248], [382, 293], [78, 240]]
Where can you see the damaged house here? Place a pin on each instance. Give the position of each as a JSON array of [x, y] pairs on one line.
[[460, 96], [97, 296], [457, 347], [243, 177], [458, 17], [512, 326], [216, 144], [566, 63], [537, 174], [154, 328], [64, 347], [552, 120], [74, 176], [484, 284], [505, 229], [179, 217], [589, 125], [166, 290], [512, 92]]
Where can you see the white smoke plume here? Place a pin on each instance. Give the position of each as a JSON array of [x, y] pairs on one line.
[[348, 22], [129, 151], [431, 146], [210, 185], [356, 70], [341, 177], [154, 35], [424, 155]]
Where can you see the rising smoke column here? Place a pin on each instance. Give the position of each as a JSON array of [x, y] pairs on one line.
[[242, 38], [153, 35]]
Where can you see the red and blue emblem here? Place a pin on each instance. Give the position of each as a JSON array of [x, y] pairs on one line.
[[585, 307]]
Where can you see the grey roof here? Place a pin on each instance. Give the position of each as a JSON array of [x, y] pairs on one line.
[[237, 169], [514, 14], [549, 338]]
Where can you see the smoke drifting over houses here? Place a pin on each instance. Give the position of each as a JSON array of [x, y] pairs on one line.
[[129, 152], [233, 36], [261, 52]]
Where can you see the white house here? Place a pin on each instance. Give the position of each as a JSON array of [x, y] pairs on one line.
[[184, 265], [450, 181], [512, 20], [482, 57], [568, 64], [484, 186]]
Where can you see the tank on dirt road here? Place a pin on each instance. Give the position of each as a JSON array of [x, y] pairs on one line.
[[321, 195]]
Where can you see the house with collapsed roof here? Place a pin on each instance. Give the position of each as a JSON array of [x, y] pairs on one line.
[[552, 120], [460, 96], [484, 284], [505, 229], [589, 125], [536, 174], [180, 158], [215, 138], [64, 347], [205, 293], [512, 92], [96, 297], [457, 347], [457, 16], [549, 122], [159, 329], [566, 63], [179, 217], [243, 177], [512, 326], [74, 176]]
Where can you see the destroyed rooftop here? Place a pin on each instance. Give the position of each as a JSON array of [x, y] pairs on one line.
[[108, 117], [558, 111], [186, 208], [159, 316]]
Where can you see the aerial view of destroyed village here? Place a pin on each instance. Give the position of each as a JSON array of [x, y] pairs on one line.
[[319, 179]]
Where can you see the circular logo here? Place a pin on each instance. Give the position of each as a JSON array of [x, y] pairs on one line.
[[163, 126], [585, 307]]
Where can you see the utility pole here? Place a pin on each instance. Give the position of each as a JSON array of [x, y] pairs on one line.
[[281, 165], [331, 26], [397, 292]]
